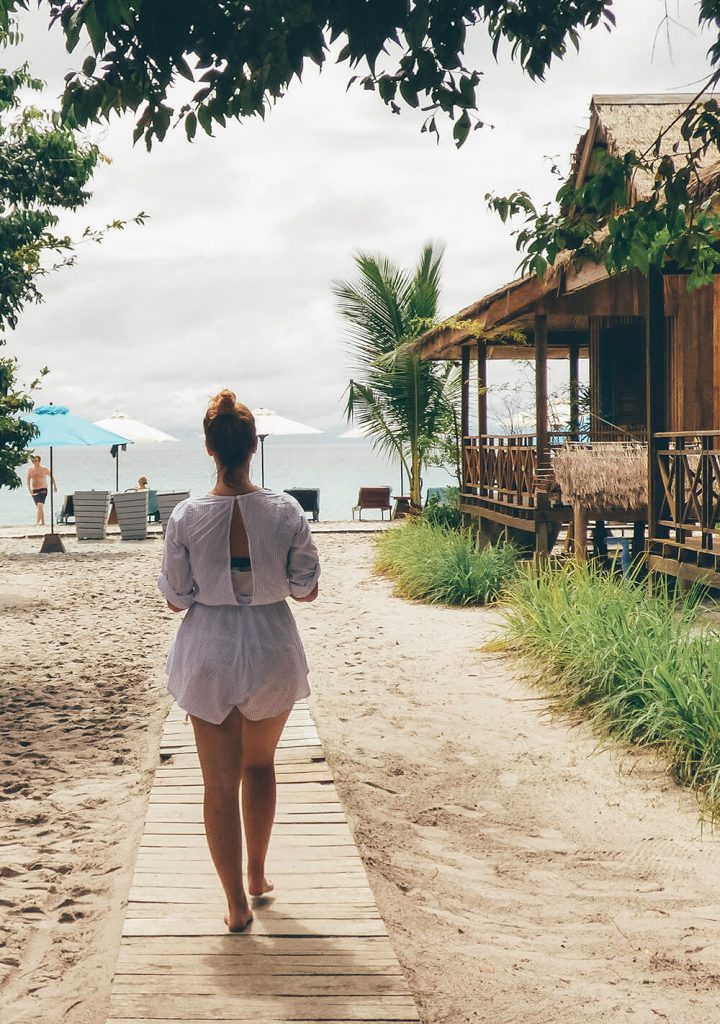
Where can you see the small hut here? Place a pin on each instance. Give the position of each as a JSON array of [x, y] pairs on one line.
[[654, 355]]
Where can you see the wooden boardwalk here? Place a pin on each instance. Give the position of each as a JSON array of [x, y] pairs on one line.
[[317, 951]]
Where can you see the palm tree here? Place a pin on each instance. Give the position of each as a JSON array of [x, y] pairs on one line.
[[403, 402]]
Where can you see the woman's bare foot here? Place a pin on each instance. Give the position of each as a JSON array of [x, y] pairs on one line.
[[238, 920], [259, 885]]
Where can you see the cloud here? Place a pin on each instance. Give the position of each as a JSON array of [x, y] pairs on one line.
[[229, 282]]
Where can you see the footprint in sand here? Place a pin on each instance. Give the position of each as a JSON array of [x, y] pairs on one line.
[[69, 916]]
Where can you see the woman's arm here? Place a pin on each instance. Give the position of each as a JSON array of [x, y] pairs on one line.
[[175, 581], [303, 563]]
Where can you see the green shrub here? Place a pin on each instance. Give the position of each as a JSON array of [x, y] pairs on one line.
[[441, 566], [632, 659], [448, 515]]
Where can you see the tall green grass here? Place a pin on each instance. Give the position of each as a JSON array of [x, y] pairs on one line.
[[441, 566], [636, 662]]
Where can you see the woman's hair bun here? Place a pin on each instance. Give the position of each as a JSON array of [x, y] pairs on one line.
[[222, 403], [230, 432]]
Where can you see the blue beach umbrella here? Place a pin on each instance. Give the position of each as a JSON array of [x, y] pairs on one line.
[[58, 428]]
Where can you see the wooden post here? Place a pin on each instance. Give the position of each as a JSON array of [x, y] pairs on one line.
[[481, 408], [574, 391], [541, 396], [465, 411], [707, 504], [580, 526], [465, 379], [482, 387], [656, 392], [542, 439]]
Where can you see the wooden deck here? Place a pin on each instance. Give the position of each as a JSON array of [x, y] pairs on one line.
[[317, 951]]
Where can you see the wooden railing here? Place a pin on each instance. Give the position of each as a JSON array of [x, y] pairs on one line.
[[501, 468], [689, 505], [505, 468]]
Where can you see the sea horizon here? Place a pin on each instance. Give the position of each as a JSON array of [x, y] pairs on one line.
[[338, 467]]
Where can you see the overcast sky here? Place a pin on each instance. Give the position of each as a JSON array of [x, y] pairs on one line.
[[229, 282]]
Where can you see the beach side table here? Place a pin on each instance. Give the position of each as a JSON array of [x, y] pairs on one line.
[[167, 500], [404, 507], [132, 514], [91, 514]]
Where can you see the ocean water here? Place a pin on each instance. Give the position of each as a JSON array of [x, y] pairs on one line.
[[337, 468]]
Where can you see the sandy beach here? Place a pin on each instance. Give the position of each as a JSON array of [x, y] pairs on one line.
[[82, 704], [524, 875]]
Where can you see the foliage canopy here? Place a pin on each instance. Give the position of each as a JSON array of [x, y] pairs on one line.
[[45, 168], [675, 224], [242, 57]]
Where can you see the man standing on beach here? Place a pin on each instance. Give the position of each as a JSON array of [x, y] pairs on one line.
[[37, 482]]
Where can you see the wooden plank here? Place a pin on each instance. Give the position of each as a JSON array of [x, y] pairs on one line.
[[330, 858], [220, 964], [317, 949], [160, 841], [247, 985], [212, 895], [286, 882], [214, 925], [262, 1020], [350, 946], [193, 814], [190, 828], [218, 1007], [285, 873], [288, 796]]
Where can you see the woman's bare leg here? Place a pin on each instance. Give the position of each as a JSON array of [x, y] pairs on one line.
[[259, 794], [220, 751]]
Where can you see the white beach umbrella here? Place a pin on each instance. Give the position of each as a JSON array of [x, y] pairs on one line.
[[133, 430], [268, 423]]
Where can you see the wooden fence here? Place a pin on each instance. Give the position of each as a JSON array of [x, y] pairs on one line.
[[689, 507]]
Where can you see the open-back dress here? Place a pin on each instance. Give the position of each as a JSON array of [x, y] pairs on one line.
[[238, 645]]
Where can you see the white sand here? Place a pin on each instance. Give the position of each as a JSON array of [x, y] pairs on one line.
[[524, 876], [81, 705]]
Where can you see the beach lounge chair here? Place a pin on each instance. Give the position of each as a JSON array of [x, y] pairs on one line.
[[438, 494], [67, 512], [308, 498], [167, 500], [153, 510], [132, 514], [91, 514], [377, 498]]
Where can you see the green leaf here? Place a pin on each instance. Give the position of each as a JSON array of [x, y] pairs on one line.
[[461, 129], [94, 29], [409, 93]]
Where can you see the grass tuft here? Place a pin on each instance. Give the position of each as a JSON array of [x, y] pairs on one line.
[[633, 660], [430, 563]]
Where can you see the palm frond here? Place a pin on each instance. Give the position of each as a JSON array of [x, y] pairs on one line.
[[400, 400]]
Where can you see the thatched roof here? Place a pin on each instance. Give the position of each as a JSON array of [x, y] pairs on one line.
[[604, 476], [621, 123], [617, 124]]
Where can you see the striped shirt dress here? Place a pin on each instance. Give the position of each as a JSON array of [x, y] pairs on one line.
[[237, 649]]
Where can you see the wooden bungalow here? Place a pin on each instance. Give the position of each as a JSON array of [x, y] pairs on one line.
[[654, 360]]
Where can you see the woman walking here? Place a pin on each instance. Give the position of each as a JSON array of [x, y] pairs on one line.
[[237, 664]]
